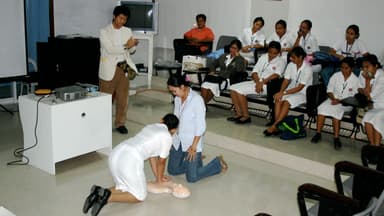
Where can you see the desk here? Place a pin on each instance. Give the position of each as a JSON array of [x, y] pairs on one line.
[[65, 129]]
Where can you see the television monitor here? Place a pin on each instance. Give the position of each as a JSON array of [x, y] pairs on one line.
[[144, 16]]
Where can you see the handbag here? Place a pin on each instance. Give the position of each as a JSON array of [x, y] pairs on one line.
[[123, 65], [292, 127], [237, 77]]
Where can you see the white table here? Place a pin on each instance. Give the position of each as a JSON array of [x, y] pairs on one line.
[[65, 129]]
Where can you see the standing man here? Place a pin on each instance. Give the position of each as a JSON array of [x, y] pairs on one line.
[[117, 44]]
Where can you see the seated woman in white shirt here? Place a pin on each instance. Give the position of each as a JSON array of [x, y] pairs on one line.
[[252, 38], [342, 85], [270, 66], [372, 86], [297, 77], [229, 63], [351, 46], [285, 39], [126, 164]]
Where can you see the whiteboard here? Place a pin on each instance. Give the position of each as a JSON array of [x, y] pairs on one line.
[[330, 19], [12, 39]]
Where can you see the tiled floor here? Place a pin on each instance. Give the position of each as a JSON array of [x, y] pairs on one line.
[[249, 186]]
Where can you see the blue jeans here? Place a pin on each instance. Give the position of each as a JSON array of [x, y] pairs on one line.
[[194, 170]]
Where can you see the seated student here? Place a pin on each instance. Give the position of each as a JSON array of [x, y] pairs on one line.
[[342, 85], [252, 39], [270, 66], [297, 77], [283, 37], [351, 46], [308, 42], [126, 163], [195, 40], [372, 86], [229, 64]]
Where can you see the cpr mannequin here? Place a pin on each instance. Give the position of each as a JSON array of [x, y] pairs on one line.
[[177, 190]]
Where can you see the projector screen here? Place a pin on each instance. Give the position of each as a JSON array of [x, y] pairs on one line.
[[330, 19], [12, 39]]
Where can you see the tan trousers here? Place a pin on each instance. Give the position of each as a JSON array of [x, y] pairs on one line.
[[118, 87]]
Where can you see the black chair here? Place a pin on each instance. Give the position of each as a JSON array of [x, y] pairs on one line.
[[367, 184], [182, 48], [373, 155]]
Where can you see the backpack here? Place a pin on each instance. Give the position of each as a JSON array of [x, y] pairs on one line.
[[292, 127]]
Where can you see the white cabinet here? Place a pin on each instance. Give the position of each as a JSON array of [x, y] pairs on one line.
[[65, 129]]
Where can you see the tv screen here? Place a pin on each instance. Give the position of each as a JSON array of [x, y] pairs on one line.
[[144, 16]]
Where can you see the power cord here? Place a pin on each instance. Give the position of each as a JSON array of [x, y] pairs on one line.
[[18, 152]]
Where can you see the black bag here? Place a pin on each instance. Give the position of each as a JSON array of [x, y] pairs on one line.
[[238, 77], [217, 79], [292, 127]]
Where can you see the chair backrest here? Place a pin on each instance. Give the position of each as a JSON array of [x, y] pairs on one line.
[[224, 40], [373, 155], [367, 183]]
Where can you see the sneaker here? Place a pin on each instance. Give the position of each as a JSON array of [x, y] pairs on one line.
[[316, 138], [122, 130], [337, 143], [101, 201]]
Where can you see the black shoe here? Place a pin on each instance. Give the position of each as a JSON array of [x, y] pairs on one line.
[[337, 143], [316, 138], [122, 130], [91, 198], [245, 121], [233, 119], [267, 133], [101, 201]]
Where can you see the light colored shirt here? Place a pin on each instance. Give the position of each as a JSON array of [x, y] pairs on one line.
[[286, 41], [309, 43], [191, 115], [303, 75], [355, 50], [249, 38], [153, 140], [377, 91], [265, 68], [342, 88]]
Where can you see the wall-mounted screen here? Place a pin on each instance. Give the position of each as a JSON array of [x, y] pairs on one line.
[[144, 16]]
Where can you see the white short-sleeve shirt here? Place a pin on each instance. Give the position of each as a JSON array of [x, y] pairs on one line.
[[377, 92], [303, 75], [265, 68], [309, 43], [342, 88], [286, 41], [355, 50], [249, 38], [153, 140]]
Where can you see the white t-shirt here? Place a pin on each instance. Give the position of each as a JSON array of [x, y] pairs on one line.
[[355, 50], [247, 38], [303, 75], [153, 140], [265, 68], [309, 44], [342, 88], [377, 92]]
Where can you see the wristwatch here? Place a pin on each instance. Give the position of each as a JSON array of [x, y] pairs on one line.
[[284, 92]]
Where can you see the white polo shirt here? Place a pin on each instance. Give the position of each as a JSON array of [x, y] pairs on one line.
[[377, 92], [342, 88], [286, 41]]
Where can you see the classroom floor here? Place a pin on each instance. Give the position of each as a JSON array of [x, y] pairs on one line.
[[263, 173]]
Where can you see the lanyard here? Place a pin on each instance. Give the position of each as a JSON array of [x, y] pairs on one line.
[[345, 83], [265, 66], [298, 78], [347, 52]]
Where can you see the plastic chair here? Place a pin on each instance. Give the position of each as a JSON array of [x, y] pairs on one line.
[[373, 155]]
